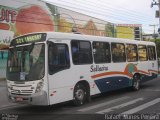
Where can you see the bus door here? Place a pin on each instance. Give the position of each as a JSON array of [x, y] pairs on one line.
[[152, 64], [143, 61], [58, 72], [132, 58]]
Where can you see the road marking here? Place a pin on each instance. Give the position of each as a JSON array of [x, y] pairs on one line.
[[119, 106], [154, 90], [103, 104], [141, 107]]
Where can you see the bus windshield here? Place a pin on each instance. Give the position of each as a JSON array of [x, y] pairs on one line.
[[26, 63]]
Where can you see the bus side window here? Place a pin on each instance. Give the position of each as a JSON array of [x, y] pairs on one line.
[[75, 50], [58, 57], [81, 52], [101, 52], [151, 53], [142, 52], [118, 52], [131, 52]]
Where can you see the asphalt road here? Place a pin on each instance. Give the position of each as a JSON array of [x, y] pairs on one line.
[[126, 104]]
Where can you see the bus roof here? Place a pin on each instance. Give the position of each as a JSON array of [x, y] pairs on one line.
[[73, 36], [46, 36]]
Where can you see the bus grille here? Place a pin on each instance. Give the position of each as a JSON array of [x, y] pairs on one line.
[[22, 92]]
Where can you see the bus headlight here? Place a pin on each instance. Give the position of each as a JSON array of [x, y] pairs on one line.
[[39, 86]]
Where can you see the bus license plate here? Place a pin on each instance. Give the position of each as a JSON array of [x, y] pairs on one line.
[[18, 99]]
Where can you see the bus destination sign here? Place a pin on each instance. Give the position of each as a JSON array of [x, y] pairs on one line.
[[39, 37]]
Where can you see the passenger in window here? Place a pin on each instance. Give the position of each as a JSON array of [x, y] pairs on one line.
[[75, 53], [74, 49], [66, 54], [114, 54], [55, 56]]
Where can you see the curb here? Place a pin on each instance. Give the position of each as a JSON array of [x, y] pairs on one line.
[[12, 106]]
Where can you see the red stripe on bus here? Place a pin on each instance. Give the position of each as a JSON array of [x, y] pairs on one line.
[[122, 73], [111, 73]]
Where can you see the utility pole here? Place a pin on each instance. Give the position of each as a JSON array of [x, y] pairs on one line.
[[158, 4], [159, 12], [154, 27], [154, 33]]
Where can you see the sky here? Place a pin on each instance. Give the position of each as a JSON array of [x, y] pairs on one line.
[[116, 11]]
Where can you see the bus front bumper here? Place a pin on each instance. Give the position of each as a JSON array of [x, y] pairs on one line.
[[34, 99]]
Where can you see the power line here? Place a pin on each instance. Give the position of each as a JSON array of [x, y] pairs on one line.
[[135, 18], [38, 22], [95, 13], [109, 16], [126, 10], [104, 8], [48, 14], [88, 10]]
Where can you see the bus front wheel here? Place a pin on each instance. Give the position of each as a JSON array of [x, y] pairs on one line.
[[136, 82], [80, 94]]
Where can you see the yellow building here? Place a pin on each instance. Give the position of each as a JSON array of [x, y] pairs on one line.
[[126, 30]]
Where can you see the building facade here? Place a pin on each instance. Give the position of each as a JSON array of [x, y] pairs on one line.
[[129, 31]]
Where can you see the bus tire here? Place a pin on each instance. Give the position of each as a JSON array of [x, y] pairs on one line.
[[136, 82], [80, 94]]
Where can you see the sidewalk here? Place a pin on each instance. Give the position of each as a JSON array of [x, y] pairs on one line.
[[2, 82]]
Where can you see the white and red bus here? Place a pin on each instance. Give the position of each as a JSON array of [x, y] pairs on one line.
[[49, 68]]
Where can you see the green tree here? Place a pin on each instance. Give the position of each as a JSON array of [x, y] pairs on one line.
[[110, 30]]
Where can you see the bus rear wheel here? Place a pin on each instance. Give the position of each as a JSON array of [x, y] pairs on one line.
[[80, 94], [136, 82]]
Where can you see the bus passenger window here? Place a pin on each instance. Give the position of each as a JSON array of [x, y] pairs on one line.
[[142, 53], [81, 52], [101, 52], [131, 52], [58, 57], [118, 52], [151, 53]]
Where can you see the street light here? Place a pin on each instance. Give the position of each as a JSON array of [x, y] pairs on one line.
[[74, 27]]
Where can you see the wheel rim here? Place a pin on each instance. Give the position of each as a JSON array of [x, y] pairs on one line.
[[79, 94], [136, 84]]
